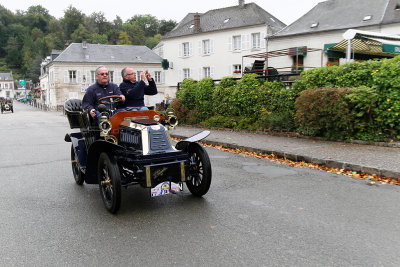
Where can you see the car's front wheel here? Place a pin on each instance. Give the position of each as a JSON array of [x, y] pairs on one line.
[[109, 182], [200, 170], [79, 176]]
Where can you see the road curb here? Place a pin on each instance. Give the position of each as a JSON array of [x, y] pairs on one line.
[[308, 159]]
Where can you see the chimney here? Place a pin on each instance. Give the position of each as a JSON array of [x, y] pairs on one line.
[[197, 22], [241, 3], [84, 44], [66, 44]]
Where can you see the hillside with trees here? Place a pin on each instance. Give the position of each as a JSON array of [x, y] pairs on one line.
[[27, 37]]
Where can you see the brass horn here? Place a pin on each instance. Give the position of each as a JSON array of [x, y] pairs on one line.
[[172, 121]]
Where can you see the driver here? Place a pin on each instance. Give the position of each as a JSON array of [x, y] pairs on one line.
[[101, 88]]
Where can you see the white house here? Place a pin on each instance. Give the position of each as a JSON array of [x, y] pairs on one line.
[[6, 85], [67, 74], [212, 44], [323, 28]]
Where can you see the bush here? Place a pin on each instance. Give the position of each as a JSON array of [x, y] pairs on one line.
[[204, 98], [222, 97], [187, 93], [363, 110], [248, 97], [180, 111], [279, 106], [220, 121], [323, 112]]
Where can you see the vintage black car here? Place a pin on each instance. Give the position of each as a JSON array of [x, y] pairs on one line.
[[6, 104], [133, 148]]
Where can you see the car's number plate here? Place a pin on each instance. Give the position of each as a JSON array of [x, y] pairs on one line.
[[166, 188]]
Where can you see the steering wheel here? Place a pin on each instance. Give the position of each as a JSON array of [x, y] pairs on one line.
[[114, 99]]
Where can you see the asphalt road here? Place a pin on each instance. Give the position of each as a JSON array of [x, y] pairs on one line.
[[257, 213]]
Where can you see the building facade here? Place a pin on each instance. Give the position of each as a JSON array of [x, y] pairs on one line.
[[7, 85], [212, 44], [324, 25], [67, 74]]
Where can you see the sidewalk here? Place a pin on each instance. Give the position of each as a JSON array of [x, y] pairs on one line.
[[371, 159]]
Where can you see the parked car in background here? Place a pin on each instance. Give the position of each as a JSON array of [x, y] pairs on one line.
[[6, 104]]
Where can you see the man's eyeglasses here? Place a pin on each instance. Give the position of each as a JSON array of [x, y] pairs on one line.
[[103, 74], [128, 74]]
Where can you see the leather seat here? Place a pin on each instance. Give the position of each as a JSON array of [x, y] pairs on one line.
[[73, 105]]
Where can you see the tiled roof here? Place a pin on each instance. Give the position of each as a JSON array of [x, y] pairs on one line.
[[100, 53], [226, 18], [7, 76], [344, 14]]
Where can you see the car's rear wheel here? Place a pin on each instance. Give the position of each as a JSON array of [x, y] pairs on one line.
[[200, 170], [109, 182], [79, 176]]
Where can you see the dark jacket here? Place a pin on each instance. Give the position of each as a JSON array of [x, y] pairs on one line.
[[134, 92], [96, 91]]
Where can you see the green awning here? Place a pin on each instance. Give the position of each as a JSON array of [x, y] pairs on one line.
[[389, 48], [301, 51], [367, 46]]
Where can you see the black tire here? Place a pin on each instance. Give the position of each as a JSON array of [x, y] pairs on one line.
[[109, 182], [200, 170], [79, 176]]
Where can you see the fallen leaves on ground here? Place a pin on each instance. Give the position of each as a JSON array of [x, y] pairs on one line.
[[371, 178]]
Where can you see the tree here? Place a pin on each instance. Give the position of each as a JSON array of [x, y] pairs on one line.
[[38, 17], [153, 41], [80, 34], [135, 33], [71, 20], [123, 39], [166, 26], [14, 55], [33, 72], [149, 24], [97, 23], [96, 38]]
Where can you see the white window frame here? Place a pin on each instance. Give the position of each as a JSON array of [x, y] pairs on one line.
[[186, 73], [237, 69], [206, 72], [237, 42], [72, 76], [256, 40], [206, 47], [157, 76], [186, 49], [92, 76], [111, 76]]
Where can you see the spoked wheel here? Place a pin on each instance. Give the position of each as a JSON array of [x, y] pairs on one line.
[[79, 176], [200, 171], [109, 183]]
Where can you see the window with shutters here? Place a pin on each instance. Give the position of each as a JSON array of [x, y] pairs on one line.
[[72, 76], [157, 76], [206, 47], [237, 68], [206, 72], [256, 40], [111, 76], [92, 76], [186, 73], [186, 51], [237, 43]]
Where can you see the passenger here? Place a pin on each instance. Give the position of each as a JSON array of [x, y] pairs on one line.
[[101, 88], [134, 91]]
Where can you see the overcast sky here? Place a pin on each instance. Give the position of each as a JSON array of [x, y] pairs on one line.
[[285, 10]]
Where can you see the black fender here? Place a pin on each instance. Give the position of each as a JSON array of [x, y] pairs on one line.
[[94, 152], [79, 146], [182, 145]]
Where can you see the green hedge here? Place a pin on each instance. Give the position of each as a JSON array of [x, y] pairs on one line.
[[359, 100]]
